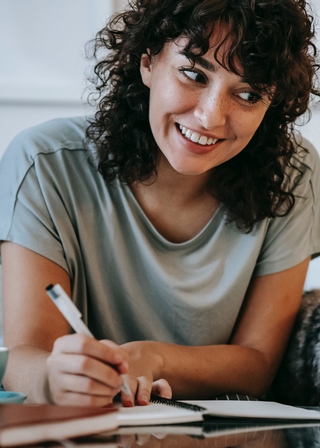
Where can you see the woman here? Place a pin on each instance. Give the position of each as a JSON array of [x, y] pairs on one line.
[[181, 218]]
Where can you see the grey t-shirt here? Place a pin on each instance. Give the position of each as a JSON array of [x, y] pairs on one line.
[[129, 282]]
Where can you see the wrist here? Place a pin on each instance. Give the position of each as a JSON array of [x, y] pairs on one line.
[[145, 356], [155, 351]]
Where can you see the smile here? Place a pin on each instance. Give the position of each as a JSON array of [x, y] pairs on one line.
[[195, 137]]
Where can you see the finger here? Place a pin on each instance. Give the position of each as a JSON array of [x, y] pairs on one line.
[[85, 366], [85, 385], [162, 388], [66, 398], [129, 400], [105, 351], [143, 391], [122, 365]]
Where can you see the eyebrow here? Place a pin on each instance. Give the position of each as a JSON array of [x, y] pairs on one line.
[[197, 59], [201, 61]]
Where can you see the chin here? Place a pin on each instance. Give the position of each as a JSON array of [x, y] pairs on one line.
[[189, 166], [190, 171]]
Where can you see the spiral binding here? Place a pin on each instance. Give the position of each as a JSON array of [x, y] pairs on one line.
[[177, 404]]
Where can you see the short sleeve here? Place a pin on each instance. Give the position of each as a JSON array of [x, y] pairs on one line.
[[292, 238], [31, 201]]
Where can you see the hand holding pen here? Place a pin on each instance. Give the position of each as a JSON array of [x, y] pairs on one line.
[[73, 316]]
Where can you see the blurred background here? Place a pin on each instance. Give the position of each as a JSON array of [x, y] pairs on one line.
[[43, 64], [43, 59]]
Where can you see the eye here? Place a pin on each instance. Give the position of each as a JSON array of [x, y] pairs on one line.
[[249, 97], [194, 75]]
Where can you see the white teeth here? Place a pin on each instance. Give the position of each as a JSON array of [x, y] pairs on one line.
[[203, 140], [197, 138]]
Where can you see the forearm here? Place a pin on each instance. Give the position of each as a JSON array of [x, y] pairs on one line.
[[250, 363], [204, 372], [26, 373]]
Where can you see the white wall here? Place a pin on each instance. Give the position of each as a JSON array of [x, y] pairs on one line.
[[42, 59], [42, 66]]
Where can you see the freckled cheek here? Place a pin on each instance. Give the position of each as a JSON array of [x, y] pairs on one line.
[[246, 127]]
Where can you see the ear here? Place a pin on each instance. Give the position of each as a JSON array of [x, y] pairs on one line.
[[146, 69]]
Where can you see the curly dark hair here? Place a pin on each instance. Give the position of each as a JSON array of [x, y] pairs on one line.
[[272, 40]]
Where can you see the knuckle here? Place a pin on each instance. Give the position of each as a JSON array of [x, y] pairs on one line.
[[88, 385], [84, 363], [144, 384], [83, 342], [58, 344]]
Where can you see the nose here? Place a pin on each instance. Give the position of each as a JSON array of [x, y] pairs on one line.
[[211, 109]]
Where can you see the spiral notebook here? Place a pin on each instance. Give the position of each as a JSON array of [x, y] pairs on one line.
[[160, 411], [163, 411]]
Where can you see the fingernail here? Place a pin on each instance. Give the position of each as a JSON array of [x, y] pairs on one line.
[[143, 400], [127, 402], [125, 365]]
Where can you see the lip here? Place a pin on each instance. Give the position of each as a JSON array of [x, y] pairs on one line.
[[196, 148]]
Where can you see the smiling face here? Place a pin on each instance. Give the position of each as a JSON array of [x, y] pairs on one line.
[[201, 114]]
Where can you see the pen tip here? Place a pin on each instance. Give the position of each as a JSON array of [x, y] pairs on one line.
[[49, 287]]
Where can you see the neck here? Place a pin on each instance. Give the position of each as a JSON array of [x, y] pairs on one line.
[[179, 188], [170, 195]]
